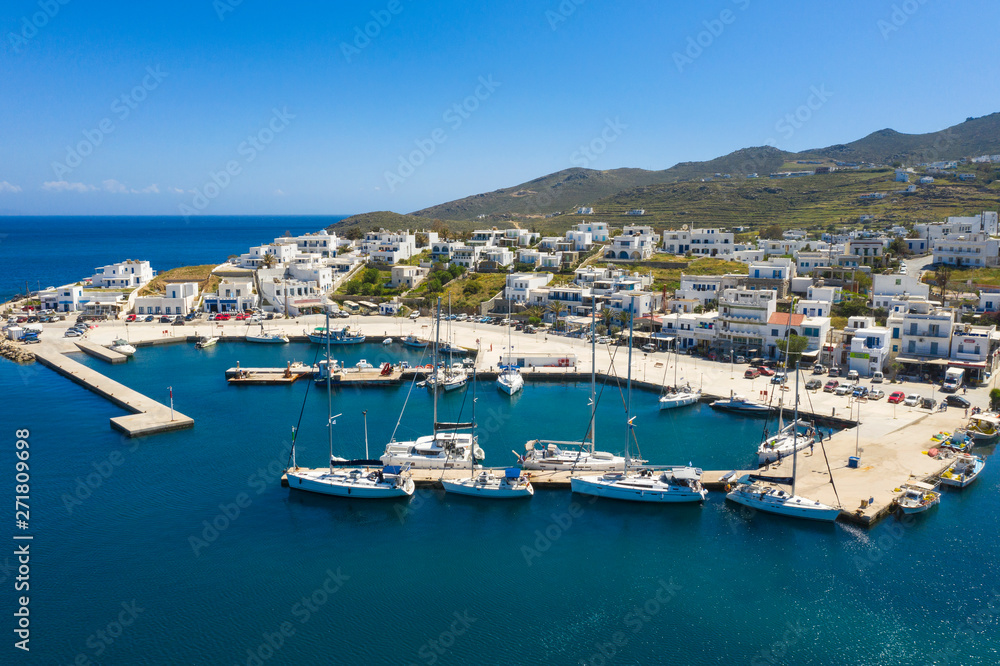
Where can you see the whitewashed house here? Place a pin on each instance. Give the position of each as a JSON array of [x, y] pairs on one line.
[[127, 274], [178, 299]]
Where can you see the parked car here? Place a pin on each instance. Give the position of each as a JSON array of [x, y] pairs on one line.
[[852, 375], [928, 403], [741, 359], [190, 316], [860, 392], [131, 317], [819, 369], [834, 372], [844, 389], [896, 397], [779, 378], [751, 373], [178, 322], [814, 385], [877, 377], [72, 333], [766, 371], [957, 401], [648, 347], [757, 362], [166, 319], [529, 329], [912, 400], [149, 318], [876, 394], [222, 316]]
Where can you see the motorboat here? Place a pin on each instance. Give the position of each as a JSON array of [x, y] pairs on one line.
[[364, 365], [415, 342], [387, 342], [741, 405], [512, 484], [122, 347], [206, 341], [983, 428]]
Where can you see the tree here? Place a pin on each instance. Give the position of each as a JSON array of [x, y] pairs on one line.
[[941, 277], [899, 247], [557, 308], [796, 344], [268, 260], [995, 399], [370, 276], [771, 231], [913, 233]]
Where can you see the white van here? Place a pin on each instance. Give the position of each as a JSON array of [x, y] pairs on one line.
[[877, 377]]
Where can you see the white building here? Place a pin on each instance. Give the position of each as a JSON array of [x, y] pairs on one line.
[[501, 256], [886, 288], [699, 242], [407, 276], [811, 308], [691, 330], [782, 324], [921, 331], [178, 299], [291, 295], [63, 299], [322, 243], [977, 250], [579, 241], [778, 268], [743, 317], [634, 247], [598, 230], [705, 289], [972, 348], [584, 210], [313, 271], [807, 262], [127, 274], [389, 247], [989, 301], [518, 285], [870, 350], [281, 253], [234, 295]]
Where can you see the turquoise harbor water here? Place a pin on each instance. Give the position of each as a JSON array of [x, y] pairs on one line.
[[295, 578]]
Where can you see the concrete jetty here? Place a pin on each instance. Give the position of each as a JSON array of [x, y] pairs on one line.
[[102, 353], [148, 416]]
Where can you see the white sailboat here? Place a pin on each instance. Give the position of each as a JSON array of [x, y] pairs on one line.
[[449, 447], [796, 436], [677, 395], [756, 492], [361, 482], [512, 484], [509, 380], [574, 456], [642, 484], [267, 337]]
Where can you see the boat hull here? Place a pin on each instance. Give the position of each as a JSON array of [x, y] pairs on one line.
[[682, 400], [598, 486], [339, 484], [818, 512], [472, 488], [267, 340], [321, 340], [510, 384]]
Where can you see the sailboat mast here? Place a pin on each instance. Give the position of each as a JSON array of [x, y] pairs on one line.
[[593, 373], [472, 457], [795, 430], [434, 389], [628, 391], [329, 391], [365, 415]]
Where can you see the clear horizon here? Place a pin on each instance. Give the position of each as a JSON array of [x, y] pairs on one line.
[[231, 108]]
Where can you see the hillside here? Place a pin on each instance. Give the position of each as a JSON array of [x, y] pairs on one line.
[[974, 137]]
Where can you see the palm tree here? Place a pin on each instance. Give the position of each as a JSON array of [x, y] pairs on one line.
[[534, 312], [268, 260], [557, 308]]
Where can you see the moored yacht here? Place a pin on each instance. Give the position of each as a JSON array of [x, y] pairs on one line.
[[122, 347], [796, 436], [512, 484]]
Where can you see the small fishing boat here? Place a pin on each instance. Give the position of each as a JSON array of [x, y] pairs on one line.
[[122, 347], [917, 497], [983, 428], [963, 471], [415, 342], [364, 365], [741, 405], [206, 341], [336, 336]]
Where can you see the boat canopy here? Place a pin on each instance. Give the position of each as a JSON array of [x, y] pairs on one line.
[[513, 472], [452, 426], [920, 485], [685, 473], [783, 480], [392, 469], [988, 418]]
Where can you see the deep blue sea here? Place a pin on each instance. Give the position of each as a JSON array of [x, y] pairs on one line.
[[52, 251], [184, 548]]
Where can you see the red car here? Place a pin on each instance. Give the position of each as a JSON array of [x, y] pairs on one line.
[[240, 317], [751, 373], [766, 371], [131, 317], [221, 317], [896, 397], [831, 386]]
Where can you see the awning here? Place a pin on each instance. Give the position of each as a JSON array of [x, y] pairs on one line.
[[973, 366], [923, 361]]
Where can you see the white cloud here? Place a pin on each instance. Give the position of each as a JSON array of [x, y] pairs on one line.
[[8, 187], [115, 187], [176, 190], [279, 193], [64, 186], [152, 189]]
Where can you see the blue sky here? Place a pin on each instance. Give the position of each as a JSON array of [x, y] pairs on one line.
[[252, 107]]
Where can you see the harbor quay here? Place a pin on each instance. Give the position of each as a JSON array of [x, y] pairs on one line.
[[890, 440]]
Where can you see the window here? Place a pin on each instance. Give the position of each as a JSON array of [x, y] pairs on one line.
[[912, 347], [934, 348], [774, 332], [913, 328]]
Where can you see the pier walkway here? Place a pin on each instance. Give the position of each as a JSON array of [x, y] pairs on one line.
[[148, 416]]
